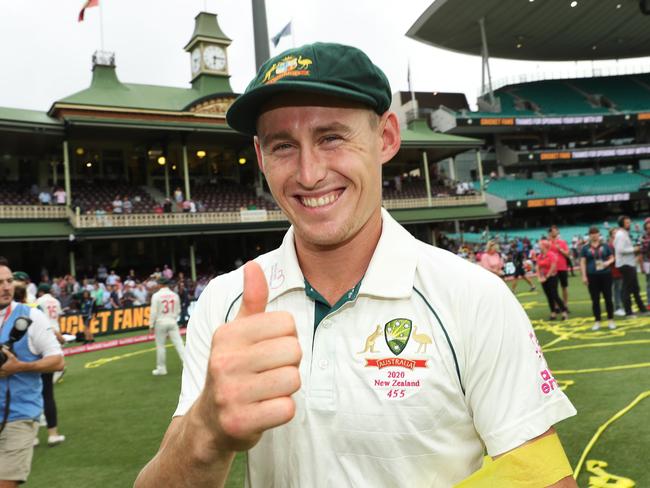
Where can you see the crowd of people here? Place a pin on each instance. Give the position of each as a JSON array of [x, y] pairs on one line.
[[107, 290], [607, 265]]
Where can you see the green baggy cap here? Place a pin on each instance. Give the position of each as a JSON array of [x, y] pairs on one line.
[[20, 276], [321, 68]]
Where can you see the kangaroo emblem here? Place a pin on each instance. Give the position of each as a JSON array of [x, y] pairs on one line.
[[370, 341]]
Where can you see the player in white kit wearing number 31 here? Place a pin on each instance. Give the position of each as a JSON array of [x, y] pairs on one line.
[[165, 310]]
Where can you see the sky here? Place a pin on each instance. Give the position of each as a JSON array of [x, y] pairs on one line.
[[45, 54]]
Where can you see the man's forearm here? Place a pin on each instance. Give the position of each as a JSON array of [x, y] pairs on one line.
[[186, 458], [48, 364]]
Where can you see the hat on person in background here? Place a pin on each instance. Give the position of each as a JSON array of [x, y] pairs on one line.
[[21, 276], [320, 68], [44, 287]]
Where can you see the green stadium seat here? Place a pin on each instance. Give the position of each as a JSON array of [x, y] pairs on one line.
[[600, 184]]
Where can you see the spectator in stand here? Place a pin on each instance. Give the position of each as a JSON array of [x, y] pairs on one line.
[[167, 272], [60, 196], [87, 309], [184, 295], [193, 208], [113, 297], [141, 294], [560, 247], [128, 297], [491, 259], [117, 205], [52, 309], [167, 206], [626, 261], [127, 206], [178, 197], [200, 286], [186, 206], [102, 272], [131, 277], [112, 278], [44, 197], [645, 257], [98, 295], [596, 259], [547, 274], [71, 285]]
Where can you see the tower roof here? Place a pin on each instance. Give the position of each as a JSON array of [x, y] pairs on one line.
[[206, 28]]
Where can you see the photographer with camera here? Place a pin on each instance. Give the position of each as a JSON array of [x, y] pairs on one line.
[[28, 348]]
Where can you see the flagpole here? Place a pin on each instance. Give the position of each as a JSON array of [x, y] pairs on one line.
[[409, 82], [101, 25]]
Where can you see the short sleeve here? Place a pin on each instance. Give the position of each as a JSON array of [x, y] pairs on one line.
[[510, 389], [42, 340]]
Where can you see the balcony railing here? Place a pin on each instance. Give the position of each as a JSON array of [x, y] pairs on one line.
[[24, 212], [84, 221], [446, 201], [172, 219]]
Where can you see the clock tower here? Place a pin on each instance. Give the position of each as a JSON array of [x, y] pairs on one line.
[[208, 56]]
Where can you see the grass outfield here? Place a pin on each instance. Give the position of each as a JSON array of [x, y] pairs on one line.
[[114, 413]]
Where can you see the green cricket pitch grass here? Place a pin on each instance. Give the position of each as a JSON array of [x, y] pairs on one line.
[[113, 412]]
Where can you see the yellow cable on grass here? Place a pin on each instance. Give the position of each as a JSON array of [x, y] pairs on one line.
[[602, 428], [600, 370], [598, 344]]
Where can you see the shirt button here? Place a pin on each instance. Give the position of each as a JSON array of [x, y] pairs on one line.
[[323, 363], [327, 324]]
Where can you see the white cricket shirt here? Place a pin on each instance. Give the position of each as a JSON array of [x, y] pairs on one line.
[[405, 383], [165, 307]]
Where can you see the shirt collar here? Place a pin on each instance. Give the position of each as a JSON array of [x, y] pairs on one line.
[[390, 274], [283, 272]]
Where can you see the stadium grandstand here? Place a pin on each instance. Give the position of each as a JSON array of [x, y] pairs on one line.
[[108, 170], [566, 149]]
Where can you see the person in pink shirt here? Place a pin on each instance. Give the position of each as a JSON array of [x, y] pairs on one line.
[[547, 265], [561, 248], [491, 259]]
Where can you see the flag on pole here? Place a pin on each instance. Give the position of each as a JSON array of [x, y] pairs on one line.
[[408, 79], [286, 30], [88, 4]]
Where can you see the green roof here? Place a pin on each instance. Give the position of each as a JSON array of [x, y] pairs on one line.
[[27, 116], [106, 90], [418, 134], [206, 26]]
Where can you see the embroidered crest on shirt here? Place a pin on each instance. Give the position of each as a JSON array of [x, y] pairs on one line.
[[396, 377], [397, 333]]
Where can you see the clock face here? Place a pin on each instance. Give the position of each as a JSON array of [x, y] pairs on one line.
[[196, 60], [214, 58]]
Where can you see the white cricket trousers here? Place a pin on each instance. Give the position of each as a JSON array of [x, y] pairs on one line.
[[162, 331]]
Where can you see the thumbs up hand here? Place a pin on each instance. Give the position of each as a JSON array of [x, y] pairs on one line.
[[252, 370]]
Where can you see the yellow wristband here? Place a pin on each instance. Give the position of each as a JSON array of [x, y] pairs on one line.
[[535, 465]]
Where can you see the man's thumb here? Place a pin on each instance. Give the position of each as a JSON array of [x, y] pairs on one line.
[[256, 291]]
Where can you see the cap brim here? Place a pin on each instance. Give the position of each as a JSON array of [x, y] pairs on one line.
[[242, 114]]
